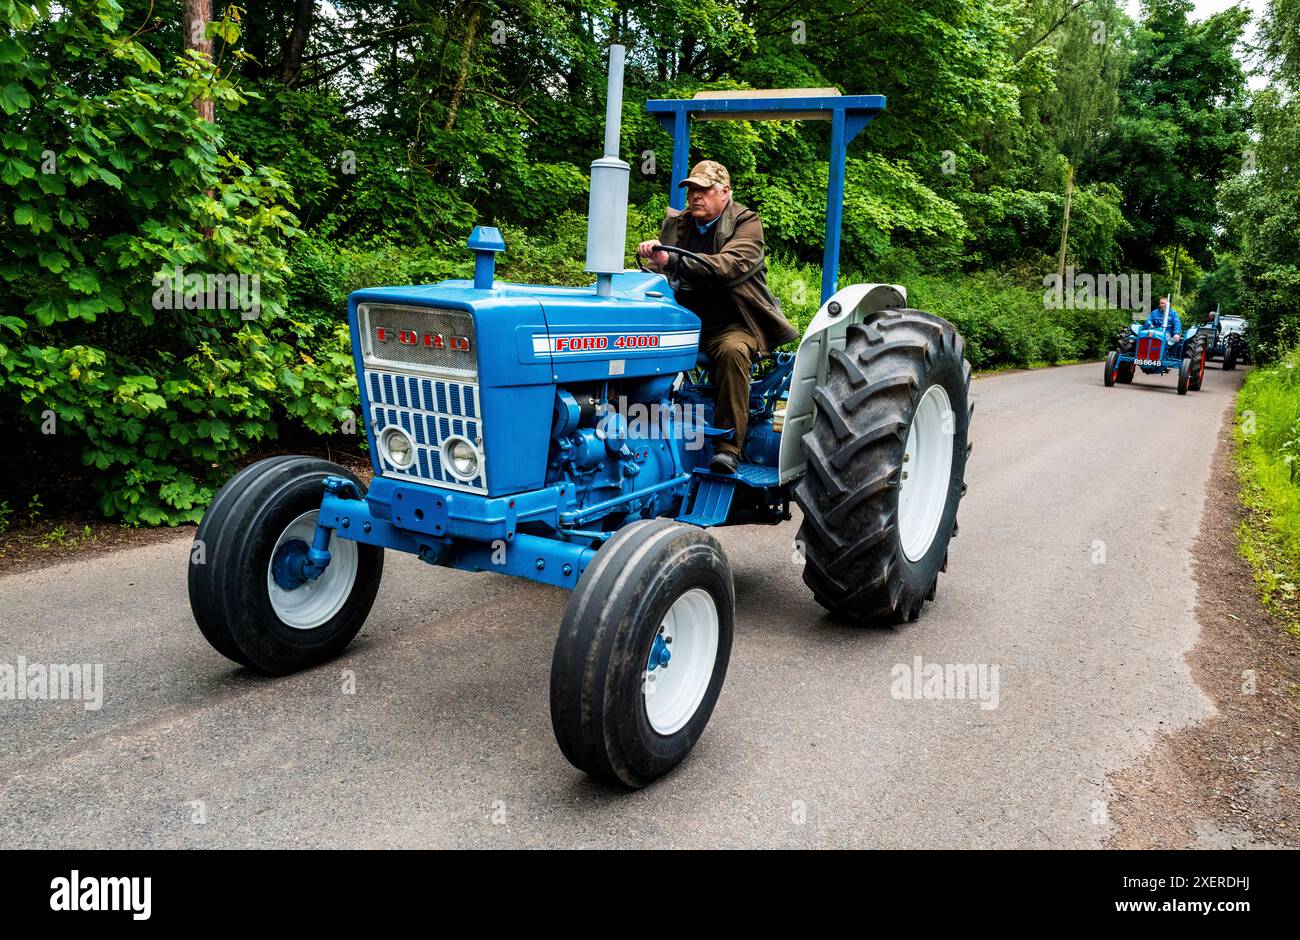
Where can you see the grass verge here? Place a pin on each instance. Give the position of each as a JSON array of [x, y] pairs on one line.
[[1268, 462]]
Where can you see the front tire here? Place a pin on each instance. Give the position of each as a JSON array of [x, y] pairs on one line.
[[642, 652], [1230, 356], [1112, 369], [886, 466], [1184, 375], [263, 514]]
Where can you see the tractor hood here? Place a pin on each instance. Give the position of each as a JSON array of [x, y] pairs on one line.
[[452, 361]]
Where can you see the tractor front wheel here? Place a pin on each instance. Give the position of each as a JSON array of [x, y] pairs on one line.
[[1184, 375], [886, 463], [250, 602], [642, 652], [1112, 368]]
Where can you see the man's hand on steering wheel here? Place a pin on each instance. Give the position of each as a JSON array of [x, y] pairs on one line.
[[651, 250], [680, 271]]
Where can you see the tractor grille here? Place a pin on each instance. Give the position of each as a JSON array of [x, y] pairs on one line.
[[430, 410], [424, 337], [1149, 347]]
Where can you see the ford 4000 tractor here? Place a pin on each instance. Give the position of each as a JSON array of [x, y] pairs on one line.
[[562, 434]]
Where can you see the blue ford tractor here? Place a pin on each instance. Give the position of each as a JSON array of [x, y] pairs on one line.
[[564, 435], [1154, 352]]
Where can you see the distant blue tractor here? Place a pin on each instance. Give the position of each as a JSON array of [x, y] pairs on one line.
[[564, 434], [1152, 351]]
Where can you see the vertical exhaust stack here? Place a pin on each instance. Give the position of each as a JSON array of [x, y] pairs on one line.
[[607, 208]]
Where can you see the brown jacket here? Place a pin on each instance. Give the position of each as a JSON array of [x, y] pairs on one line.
[[739, 261]]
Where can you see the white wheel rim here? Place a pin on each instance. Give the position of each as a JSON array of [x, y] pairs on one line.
[[314, 602], [927, 470], [674, 691]]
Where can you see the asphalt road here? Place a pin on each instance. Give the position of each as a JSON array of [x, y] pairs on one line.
[[1071, 575]]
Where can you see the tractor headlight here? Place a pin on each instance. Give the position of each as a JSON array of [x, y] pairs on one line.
[[460, 457], [397, 447]]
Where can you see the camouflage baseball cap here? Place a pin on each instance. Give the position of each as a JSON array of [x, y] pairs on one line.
[[706, 173]]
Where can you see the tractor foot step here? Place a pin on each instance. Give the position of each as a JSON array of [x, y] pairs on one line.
[[749, 474], [711, 501]]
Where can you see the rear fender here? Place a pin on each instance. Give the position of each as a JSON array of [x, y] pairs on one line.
[[826, 332]]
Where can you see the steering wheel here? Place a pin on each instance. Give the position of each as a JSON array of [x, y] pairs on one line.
[[675, 277]]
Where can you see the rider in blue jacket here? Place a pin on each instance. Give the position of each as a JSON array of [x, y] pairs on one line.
[[1166, 318]]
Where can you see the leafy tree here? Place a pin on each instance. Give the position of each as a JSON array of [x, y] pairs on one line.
[[111, 182], [1181, 129]]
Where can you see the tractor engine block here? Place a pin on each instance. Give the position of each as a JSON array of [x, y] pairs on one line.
[[611, 437]]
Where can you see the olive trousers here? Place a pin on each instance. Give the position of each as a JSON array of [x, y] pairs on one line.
[[732, 350]]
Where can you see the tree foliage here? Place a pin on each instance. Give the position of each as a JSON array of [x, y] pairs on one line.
[[357, 142]]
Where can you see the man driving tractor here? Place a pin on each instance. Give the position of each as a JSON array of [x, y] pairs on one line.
[[739, 317], [1166, 318]]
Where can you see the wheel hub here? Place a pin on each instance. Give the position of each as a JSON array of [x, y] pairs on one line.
[[688, 637], [287, 564], [660, 654], [301, 601]]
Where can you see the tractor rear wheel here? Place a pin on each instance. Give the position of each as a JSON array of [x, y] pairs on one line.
[[1127, 347], [1196, 352], [886, 466], [248, 605], [642, 652]]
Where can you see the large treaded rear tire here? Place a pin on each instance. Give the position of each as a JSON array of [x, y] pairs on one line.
[[1195, 350], [853, 552], [228, 578], [1126, 346], [1231, 353]]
